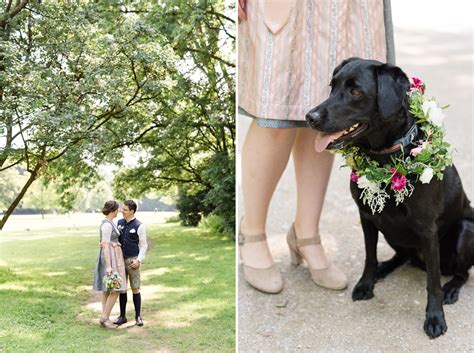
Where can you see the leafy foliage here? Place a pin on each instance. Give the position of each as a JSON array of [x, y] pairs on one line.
[[194, 147], [191, 205], [215, 225], [81, 83]]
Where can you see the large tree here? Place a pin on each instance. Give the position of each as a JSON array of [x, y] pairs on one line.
[[81, 81], [196, 150], [69, 72]]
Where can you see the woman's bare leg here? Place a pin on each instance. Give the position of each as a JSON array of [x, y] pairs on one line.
[[312, 171], [104, 300], [265, 155], [111, 299]]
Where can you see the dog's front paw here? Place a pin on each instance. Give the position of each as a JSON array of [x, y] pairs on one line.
[[363, 291], [451, 293], [435, 325]]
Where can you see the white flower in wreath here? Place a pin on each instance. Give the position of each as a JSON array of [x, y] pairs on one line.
[[364, 183], [426, 176], [433, 112]]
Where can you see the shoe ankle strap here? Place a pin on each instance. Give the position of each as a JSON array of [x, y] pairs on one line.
[[251, 238], [307, 241]]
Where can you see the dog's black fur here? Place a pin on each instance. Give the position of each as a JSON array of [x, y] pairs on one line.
[[434, 228]]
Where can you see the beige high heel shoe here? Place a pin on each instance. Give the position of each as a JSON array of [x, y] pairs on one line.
[[267, 280], [108, 324], [330, 277], [102, 320]]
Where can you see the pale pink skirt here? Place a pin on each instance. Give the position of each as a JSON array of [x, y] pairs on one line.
[[283, 75]]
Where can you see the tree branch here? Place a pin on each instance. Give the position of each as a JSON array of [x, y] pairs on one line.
[[9, 5], [223, 26], [210, 55], [136, 139], [20, 5], [12, 165], [218, 14]]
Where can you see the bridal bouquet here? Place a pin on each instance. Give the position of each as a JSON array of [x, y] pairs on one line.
[[113, 281]]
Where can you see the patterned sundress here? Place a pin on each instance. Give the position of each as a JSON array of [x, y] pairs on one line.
[[116, 258]]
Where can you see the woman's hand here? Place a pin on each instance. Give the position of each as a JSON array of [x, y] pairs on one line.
[[109, 270], [242, 10]]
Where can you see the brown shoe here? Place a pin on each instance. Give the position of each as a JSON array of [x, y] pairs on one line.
[[267, 280], [330, 277]]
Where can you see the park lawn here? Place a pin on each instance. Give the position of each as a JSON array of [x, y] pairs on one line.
[[47, 304]]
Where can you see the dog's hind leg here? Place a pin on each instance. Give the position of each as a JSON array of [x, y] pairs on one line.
[[386, 267], [464, 260]]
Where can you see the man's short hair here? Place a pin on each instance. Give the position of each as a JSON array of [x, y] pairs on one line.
[[131, 205]]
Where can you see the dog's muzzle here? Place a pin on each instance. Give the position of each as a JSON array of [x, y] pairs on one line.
[[313, 118]]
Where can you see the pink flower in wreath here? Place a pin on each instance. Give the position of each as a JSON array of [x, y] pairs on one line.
[[399, 181], [415, 151], [416, 83], [354, 176]]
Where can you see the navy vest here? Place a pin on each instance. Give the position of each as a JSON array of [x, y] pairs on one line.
[[129, 237]]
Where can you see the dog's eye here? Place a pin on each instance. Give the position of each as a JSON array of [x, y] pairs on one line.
[[355, 93]]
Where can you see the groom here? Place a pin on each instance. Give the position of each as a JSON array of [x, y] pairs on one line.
[[134, 245]]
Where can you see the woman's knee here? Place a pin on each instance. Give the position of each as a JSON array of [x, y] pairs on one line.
[[277, 135]]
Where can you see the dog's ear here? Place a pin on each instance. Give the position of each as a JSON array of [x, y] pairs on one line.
[[392, 86], [341, 65]]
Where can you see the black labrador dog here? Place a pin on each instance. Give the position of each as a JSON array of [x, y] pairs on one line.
[[434, 228]]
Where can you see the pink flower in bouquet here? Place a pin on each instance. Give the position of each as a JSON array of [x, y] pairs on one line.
[[354, 176]]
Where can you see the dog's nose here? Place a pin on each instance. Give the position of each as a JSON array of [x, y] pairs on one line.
[[313, 118]]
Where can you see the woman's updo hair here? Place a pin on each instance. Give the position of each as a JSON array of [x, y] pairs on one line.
[[109, 207]]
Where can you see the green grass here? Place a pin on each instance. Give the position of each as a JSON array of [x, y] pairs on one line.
[[47, 303]]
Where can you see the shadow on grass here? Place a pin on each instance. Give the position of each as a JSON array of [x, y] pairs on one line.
[[188, 286], [187, 289]]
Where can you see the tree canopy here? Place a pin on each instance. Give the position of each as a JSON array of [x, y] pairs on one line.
[[82, 81]]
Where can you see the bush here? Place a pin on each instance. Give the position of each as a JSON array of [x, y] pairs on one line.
[[221, 175], [172, 219], [216, 194], [191, 206], [214, 224]]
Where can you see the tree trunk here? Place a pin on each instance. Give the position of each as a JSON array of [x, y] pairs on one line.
[[22, 193]]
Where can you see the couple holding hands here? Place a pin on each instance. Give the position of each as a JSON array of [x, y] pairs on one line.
[[122, 249]]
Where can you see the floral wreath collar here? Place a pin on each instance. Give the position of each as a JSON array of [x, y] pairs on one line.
[[429, 158]]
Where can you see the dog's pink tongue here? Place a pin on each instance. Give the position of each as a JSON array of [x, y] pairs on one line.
[[324, 139]]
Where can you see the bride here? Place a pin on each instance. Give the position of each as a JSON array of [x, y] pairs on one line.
[[109, 276]]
